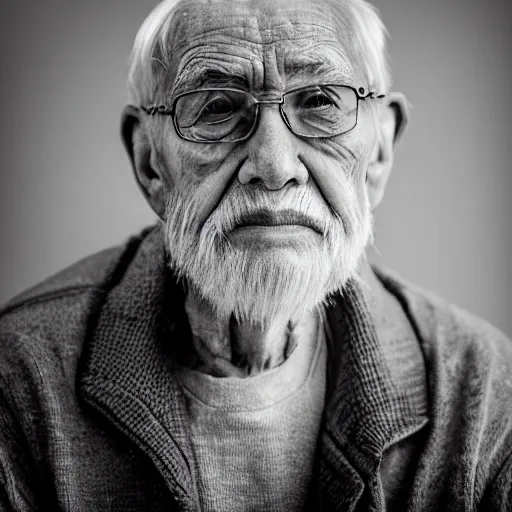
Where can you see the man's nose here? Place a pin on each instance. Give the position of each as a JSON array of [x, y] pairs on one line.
[[273, 154]]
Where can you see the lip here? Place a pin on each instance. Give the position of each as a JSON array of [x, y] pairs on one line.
[[267, 237], [281, 221]]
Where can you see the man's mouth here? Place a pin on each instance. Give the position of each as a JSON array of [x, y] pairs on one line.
[[269, 219]]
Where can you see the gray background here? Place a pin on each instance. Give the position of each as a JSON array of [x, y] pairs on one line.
[[66, 188]]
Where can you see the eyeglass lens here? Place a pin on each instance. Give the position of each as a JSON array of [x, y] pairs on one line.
[[230, 115]]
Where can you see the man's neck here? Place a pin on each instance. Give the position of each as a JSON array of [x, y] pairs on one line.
[[227, 348]]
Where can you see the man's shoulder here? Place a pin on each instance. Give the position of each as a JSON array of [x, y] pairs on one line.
[[469, 367], [92, 272], [446, 327], [54, 315]]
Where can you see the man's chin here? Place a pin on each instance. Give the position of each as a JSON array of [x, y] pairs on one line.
[[261, 286]]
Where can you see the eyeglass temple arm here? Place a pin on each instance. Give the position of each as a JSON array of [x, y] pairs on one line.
[[363, 95], [373, 95], [158, 109]]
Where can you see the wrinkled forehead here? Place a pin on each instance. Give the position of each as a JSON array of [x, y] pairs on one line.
[[267, 45]]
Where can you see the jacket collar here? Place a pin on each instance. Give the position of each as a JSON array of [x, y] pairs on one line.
[[126, 369], [376, 376], [378, 392]]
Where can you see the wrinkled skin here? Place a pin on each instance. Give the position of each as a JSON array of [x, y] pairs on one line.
[[267, 48]]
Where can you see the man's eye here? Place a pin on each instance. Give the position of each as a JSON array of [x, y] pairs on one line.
[[317, 101], [217, 110]]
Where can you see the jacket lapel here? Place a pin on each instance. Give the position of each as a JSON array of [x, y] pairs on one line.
[[126, 372], [376, 395]]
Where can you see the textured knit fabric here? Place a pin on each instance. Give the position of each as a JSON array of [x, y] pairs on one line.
[[254, 439], [92, 417]]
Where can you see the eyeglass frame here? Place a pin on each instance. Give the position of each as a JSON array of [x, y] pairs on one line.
[[360, 92]]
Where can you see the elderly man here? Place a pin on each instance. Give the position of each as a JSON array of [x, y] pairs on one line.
[[243, 355]]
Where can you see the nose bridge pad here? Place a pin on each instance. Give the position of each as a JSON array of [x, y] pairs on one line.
[[285, 117]]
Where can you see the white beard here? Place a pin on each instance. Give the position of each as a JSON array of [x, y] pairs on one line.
[[260, 286]]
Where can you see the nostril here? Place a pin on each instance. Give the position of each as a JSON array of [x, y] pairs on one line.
[[272, 184], [292, 181]]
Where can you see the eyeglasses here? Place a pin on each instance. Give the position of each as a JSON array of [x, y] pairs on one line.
[[214, 115]]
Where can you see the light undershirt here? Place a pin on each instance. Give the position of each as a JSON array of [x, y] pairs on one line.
[[254, 439]]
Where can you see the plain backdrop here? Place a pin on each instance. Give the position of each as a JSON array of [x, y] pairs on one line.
[[66, 188]]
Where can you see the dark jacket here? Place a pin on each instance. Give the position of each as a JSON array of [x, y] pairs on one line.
[[418, 413]]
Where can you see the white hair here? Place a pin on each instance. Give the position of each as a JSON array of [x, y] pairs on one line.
[[150, 57]]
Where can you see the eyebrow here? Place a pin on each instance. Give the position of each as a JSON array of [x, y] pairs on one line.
[[213, 78], [317, 70]]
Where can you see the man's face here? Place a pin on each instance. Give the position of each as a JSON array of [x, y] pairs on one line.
[[270, 225]]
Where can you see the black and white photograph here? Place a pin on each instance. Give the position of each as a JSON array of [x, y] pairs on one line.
[[256, 256]]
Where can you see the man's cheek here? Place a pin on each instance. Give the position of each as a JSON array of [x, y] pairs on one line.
[[204, 174], [335, 170]]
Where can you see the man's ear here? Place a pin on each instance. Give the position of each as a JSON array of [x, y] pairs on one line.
[[137, 143], [392, 121]]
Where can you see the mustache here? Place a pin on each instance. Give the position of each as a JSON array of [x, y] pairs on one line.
[[257, 207], [284, 217]]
